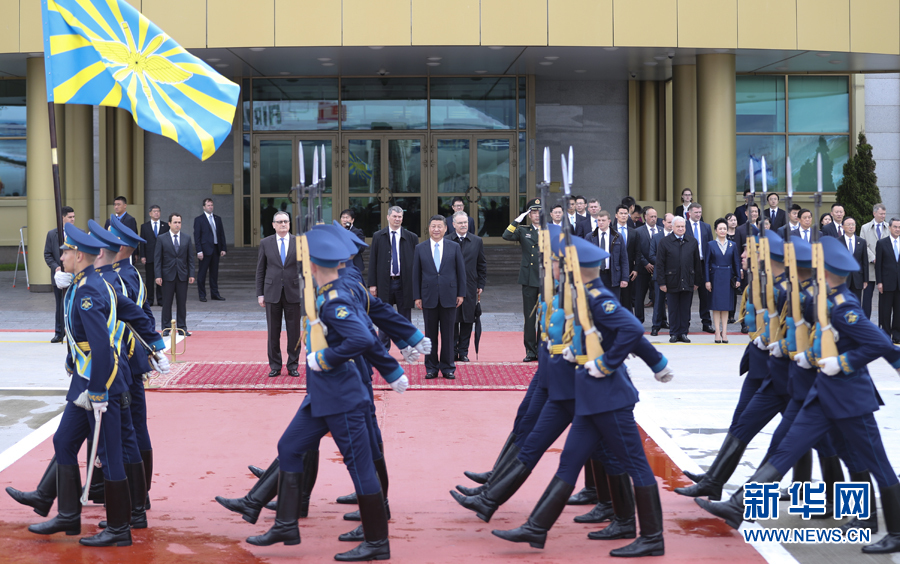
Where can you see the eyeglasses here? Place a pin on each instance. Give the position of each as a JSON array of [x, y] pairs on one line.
[[281, 221]]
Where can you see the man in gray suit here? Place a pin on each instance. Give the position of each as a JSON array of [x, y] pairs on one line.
[[278, 290], [174, 259], [51, 257]]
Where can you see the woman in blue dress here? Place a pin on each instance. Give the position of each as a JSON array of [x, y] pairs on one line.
[[723, 267]]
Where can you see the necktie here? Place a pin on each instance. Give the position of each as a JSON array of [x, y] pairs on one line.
[[176, 243], [697, 236], [603, 246], [806, 235], [652, 232], [395, 260], [437, 256], [840, 230], [896, 251], [212, 223], [773, 215], [624, 231], [878, 229], [155, 229], [850, 244], [283, 252]]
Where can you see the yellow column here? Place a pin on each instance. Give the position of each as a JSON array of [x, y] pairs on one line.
[[124, 176], [38, 174], [715, 134], [684, 102], [649, 140], [80, 162]]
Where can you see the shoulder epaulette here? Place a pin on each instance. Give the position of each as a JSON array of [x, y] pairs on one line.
[[594, 292], [839, 299]]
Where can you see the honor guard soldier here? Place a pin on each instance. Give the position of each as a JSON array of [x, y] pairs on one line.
[[529, 270], [842, 397]]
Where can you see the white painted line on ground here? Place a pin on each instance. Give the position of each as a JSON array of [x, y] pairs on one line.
[[36, 388], [33, 439], [773, 552]]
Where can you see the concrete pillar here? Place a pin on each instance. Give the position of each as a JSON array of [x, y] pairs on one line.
[[684, 124], [41, 216], [79, 175], [649, 140], [715, 134]]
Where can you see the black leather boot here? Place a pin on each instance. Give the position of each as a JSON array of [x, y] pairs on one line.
[[41, 499], [349, 499], [802, 472], [118, 516], [262, 492], [603, 511], [381, 470], [588, 494], [890, 504], [509, 455], [872, 522], [693, 477], [147, 459], [733, 509], [482, 477], [356, 535], [137, 487], [375, 545], [504, 484], [622, 525], [285, 528], [95, 493], [310, 473], [649, 511], [722, 468], [544, 515], [831, 472], [255, 470], [68, 518]]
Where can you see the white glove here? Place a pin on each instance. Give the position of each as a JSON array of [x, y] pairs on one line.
[[593, 370], [160, 362], [82, 401], [802, 361], [410, 354], [665, 375], [760, 344], [400, 384], [424, 346], [99, 407], [521, 217], [569, 355], [830, 366], [775, 349], [63, 279], [312, 362]]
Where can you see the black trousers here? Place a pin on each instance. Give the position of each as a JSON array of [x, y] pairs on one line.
[[659, 307], [889, 313], [175, 290], [679, 311], [440, 319], [275, 312], [867, 299], [154, 292], [395, 297], [606, 278], [60, 321], [626, 296], [642, 284], [462, 334], [529, 301], [209, 263]]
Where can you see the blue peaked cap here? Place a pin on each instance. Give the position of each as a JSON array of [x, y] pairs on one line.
[[341, 234], [108, 241], [123, 232], [838, 259], [325, 248], [78, 240], [776, 246]]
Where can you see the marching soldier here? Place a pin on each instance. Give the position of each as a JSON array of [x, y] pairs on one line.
[[529, 270]]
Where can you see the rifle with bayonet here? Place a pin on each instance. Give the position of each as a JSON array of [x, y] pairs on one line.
[[307, 284], [824, 333], [796, 330], [755, 318], [767, 292], [544, 243]]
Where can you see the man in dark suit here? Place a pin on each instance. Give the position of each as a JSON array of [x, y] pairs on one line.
[[209, 236], [476, 277], [856, 281], [348, 217], [643, 236], [614, 271], [773, 213], [278, 290], [836, 227], [743, 231], [585, 228], [150, 232], [52, 258], [390, 266], [120, 208], [793, 220], [627, 293], [701, 232], [174, 261], [439, 288], [678, 273], [572, 215], [660, 319], [457, 204], [887, 276], [740, 212]]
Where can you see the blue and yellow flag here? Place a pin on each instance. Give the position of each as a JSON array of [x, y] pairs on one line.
[[106, 53]]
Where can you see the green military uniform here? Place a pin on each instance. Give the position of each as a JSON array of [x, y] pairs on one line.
[[529, 276]]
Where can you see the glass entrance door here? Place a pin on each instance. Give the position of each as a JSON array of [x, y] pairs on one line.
[[481, 169]]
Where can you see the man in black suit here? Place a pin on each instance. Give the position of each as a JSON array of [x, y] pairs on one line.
[[120, 208], [439, 288], [742, 232], [701, 232], [857, 281], [390, 266], [174, 261], [476, 277], [660, 319], [457, 204], [643, 236], [585, 228], [836, 227], [209, 235], [805, 227], [887, 276], [614, 271], [278, 290], [627, 293], [773, 213], [52, 258], [740, 212], [793, 220], [572, 215], [678, 273], [150, 232], [348, 217]]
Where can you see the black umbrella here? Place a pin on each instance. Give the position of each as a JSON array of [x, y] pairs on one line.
[[477, 325]]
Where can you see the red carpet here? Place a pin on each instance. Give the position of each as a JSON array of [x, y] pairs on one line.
[[254, 376]]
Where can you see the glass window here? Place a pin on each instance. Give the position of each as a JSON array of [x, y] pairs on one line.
[[412, 213], [760, 103], [12, 167], [493, 215], [295, 104], [493, 165], [368, 214], [404, 165], [453, 165], [246, 222], [245, 96], [523, 163], [275, 166], [819, 104], [473, 103], [12, 108], [310, 146], [755, 147], [384, 103], [246, 165], [523, 105], [364, 166], [834, 149]]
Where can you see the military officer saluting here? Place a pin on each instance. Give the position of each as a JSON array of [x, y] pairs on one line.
[[529, 270]]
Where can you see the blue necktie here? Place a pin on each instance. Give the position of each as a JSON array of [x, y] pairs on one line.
[[878, 230], [697, 236], [437, 257], [622, 230], [176, 243], [395, 260], [896, 251], [155, 229], [603, 246], [283, 252]]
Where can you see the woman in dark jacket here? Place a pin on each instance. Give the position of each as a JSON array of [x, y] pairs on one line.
[[722, 262]]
